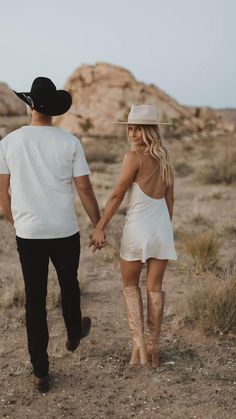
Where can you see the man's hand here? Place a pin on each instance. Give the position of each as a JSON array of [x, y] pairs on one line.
[[97, 239]]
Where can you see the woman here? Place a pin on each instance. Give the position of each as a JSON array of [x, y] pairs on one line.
[[147, 234]]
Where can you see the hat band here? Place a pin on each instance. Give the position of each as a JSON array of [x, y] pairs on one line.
[[142, 121], [29, 100]]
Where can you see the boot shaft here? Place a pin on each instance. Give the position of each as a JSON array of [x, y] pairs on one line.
[[134, 308], [155, 309]]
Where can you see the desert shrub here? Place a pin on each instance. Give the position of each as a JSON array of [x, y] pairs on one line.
[[86, 125], [200, 219], [216, 195], [188, 147], [222, 172], [176, 122], [204, 249], [178, 232], [122, 104], [211, 305], [13, 295], [182, 168], [102, 151], [230, 231], [100, 156]]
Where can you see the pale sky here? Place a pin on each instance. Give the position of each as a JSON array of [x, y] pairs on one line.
[[185, 47]]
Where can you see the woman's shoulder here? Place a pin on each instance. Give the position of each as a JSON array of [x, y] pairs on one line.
[[131, 158], [131, 155]]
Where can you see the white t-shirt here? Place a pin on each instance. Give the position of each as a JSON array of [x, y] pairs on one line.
[[42, 161]]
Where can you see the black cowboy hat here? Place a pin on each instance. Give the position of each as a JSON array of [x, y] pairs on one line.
[[45, 98]]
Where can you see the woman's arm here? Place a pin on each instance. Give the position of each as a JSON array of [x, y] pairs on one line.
[[129, 169], [169, 197]]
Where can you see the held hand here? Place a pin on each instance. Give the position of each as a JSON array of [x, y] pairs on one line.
[[97, 239]]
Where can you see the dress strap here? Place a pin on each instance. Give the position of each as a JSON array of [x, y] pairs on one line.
[[149, 176], [140, 164]]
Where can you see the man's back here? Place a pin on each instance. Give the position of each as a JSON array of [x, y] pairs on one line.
[[42, 161]]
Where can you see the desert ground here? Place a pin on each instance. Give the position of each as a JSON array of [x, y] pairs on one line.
[[197, 376]]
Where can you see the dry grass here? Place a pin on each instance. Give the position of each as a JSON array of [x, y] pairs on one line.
[[111, 252], [14, 295], [212, 305], [204, 249], [223, 171], [54, 294]]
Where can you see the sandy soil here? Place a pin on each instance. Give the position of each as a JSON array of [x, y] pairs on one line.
[[196, 378]]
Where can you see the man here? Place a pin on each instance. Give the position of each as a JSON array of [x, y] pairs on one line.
[[39, 163]]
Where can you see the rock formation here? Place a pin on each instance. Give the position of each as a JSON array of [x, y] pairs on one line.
[[12, 111], [9, 104], [103, 93]]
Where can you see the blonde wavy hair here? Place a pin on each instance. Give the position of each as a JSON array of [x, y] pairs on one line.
[[155, 145]]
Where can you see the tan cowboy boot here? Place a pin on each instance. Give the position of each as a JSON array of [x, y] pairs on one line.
[[155, 308], [134, 307]]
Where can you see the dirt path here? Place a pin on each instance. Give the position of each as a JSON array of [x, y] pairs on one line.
[[194, 381]]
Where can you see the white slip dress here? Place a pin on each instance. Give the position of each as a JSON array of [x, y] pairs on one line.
[[147, 232]]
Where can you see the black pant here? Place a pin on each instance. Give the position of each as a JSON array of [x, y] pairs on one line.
[[34, 257]]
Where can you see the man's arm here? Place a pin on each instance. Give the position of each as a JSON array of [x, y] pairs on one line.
[[88, 199], [5, 197]]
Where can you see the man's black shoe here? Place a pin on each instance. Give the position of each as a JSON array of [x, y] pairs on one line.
[[72, 344], [42, 384]]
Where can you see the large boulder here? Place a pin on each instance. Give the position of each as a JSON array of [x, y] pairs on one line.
[[13, 113], [103, 93], [10, 105]]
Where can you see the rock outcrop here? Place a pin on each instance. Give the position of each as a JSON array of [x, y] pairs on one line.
[[103, 93], [12, 111], [9, 104]]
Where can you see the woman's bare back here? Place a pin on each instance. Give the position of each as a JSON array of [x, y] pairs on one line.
[[148, 176]]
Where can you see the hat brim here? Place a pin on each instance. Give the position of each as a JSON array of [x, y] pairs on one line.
[[143, 123], [57, 104], [24, 96]]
